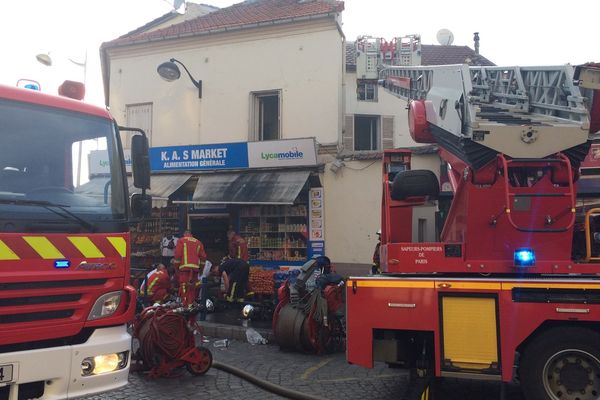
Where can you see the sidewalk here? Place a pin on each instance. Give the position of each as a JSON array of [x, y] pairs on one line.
[[229, 324]]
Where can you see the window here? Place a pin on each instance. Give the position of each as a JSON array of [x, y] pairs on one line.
[[265, 116], [139, 116], [366, 91], [48, 154], [366, 133]]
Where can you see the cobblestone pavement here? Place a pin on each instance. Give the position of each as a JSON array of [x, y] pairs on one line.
[[330, 377]]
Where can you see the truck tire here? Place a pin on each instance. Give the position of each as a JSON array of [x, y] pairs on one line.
[[562, 364]]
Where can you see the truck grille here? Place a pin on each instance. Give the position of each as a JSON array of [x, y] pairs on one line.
[[46, 301]]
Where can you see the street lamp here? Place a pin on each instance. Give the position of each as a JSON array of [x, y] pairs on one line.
[[170, 72], [45, 59]]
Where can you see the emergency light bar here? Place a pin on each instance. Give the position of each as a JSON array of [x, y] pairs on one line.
[[524, 257]]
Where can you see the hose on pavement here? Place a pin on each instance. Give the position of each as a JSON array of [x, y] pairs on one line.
[[266, 385]]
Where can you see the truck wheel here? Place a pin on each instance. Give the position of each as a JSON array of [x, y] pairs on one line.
[[562, 364]]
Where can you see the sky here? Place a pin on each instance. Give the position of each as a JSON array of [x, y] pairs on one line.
[[512, 32]]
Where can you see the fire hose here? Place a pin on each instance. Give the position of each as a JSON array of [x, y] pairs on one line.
[[266, 385]]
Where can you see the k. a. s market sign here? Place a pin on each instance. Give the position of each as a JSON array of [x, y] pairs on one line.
[[275, 153]]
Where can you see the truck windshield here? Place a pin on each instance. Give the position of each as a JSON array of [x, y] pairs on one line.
[[54, 156]]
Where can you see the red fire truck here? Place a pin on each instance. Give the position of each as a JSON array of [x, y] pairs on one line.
[[511, 289], [65, 298]]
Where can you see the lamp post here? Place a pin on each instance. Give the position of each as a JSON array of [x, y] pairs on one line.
[[46, 60], [170, 72]]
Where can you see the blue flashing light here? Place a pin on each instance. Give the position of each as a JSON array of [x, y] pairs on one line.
[[62, 264], [32, 86], [524, 257]]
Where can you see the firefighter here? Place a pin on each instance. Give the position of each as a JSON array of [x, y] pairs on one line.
[[156, 286], [327, 275], [189, 258], [238, 248], [376, 267], [235, 273]]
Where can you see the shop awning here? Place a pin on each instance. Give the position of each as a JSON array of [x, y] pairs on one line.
[[275, 187], [161, 186]]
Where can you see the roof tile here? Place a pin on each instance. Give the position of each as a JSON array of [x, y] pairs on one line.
[[432, 54], [236, 16]]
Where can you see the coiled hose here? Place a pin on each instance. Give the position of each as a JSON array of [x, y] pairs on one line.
[[266, 385]]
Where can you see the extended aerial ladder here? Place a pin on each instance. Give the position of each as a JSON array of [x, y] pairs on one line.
[[511, 288], [513, 138]]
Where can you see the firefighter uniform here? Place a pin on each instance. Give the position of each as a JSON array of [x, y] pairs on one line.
[[157, 286], [189, 258], [238, 248]]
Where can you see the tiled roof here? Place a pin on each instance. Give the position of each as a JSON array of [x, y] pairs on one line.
[[237, 16], [439, 55], [190, 8], [433, 55]]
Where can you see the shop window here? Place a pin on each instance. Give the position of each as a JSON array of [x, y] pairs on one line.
[[138, 116], [275, 233], [366, 133], [366, 91], [266, 116]]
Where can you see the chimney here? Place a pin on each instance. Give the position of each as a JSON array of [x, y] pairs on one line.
[[476, 40]]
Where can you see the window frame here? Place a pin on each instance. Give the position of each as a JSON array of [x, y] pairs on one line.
[[377, 141], [256, 107]]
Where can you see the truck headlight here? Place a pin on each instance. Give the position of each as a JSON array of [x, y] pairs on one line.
[[105, 306], [104, 363]]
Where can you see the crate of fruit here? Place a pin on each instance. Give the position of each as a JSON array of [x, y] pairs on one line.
[[261, 281]]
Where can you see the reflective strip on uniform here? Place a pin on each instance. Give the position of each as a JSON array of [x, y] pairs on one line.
[[194, 266], [151, 285]]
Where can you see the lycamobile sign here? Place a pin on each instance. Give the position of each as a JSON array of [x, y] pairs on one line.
[[293, 154], [240, 155]]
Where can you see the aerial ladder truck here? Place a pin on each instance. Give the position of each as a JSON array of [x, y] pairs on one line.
[[511, 289]]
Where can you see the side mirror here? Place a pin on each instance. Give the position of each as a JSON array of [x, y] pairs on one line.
[[140, 161], [141, 205]]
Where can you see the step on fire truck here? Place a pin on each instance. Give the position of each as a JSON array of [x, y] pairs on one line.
[[511, 291], [65, 298]]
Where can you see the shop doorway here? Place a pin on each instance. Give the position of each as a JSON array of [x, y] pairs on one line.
[[212, 232]]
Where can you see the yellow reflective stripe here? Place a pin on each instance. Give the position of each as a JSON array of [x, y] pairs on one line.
[[231, 292], [541, 285], [189, 266], [393, 284], [43, 247], [119, 244], [86, 246], [151, 285], [6, 253], [185, 259], [470, 285]]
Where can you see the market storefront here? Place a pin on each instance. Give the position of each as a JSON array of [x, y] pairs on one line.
[[269, 192]]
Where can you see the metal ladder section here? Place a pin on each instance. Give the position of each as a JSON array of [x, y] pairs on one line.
[[547, 91]]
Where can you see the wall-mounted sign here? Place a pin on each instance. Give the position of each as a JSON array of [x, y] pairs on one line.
[[282, 153], [99, 164], [315, 214], [240, 155], [199, 157]]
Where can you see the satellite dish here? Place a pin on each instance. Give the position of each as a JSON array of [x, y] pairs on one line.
[[445, 37]]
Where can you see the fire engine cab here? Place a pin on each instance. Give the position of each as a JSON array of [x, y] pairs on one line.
[[65, 298], [511, 289]]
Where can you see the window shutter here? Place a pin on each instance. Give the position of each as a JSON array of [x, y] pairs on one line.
[[348, 134], [387, 132], [139, 116]]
